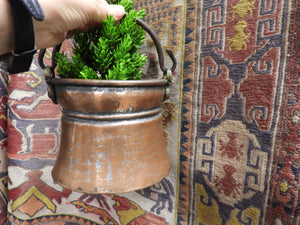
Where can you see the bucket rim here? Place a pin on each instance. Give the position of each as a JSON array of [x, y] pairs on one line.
[[108, 83]]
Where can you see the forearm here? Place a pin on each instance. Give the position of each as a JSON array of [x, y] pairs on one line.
[[6, 28]]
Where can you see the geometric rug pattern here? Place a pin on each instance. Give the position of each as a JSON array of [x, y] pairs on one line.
[[233, 133]]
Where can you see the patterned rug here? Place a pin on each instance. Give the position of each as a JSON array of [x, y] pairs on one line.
[[233, 138]]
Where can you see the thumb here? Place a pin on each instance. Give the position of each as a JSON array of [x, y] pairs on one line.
[[117, 11]]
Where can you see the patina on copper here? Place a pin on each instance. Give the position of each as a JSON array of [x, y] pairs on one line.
[[112, 137]]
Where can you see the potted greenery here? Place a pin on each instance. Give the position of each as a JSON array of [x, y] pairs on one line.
[[112, 137]]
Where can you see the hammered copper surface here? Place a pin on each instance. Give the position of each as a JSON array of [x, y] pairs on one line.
[[112, 137]]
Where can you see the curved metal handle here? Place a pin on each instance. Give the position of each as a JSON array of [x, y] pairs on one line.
[[41, 57], [159, 49]]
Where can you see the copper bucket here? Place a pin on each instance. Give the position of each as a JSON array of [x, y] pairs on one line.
[[112, 137]]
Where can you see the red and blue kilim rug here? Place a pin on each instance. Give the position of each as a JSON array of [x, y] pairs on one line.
[[234, 139]]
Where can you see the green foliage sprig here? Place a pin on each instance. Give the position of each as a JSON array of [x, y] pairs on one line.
[[110, 51]]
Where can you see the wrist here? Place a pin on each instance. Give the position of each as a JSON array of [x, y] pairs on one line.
[[6, 27], [22, 11]]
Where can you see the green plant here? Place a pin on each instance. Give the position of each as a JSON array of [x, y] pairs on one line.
[[109, 52]]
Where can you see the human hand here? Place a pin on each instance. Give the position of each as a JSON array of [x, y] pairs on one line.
[[62, 16]]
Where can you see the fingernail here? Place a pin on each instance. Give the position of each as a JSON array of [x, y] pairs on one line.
[[117, 11]]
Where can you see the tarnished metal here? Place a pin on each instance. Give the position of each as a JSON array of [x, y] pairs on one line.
[[112, 137]]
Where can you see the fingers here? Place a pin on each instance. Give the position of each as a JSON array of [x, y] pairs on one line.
[[103, 9], [92, 12], [100, 13], [62, 16]]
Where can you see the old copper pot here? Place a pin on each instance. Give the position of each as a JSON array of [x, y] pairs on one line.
[[111, 138]]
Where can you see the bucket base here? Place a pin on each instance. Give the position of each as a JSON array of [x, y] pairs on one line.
[[111, 157]]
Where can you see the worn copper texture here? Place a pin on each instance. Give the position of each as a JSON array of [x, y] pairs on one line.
[[112, 137]]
